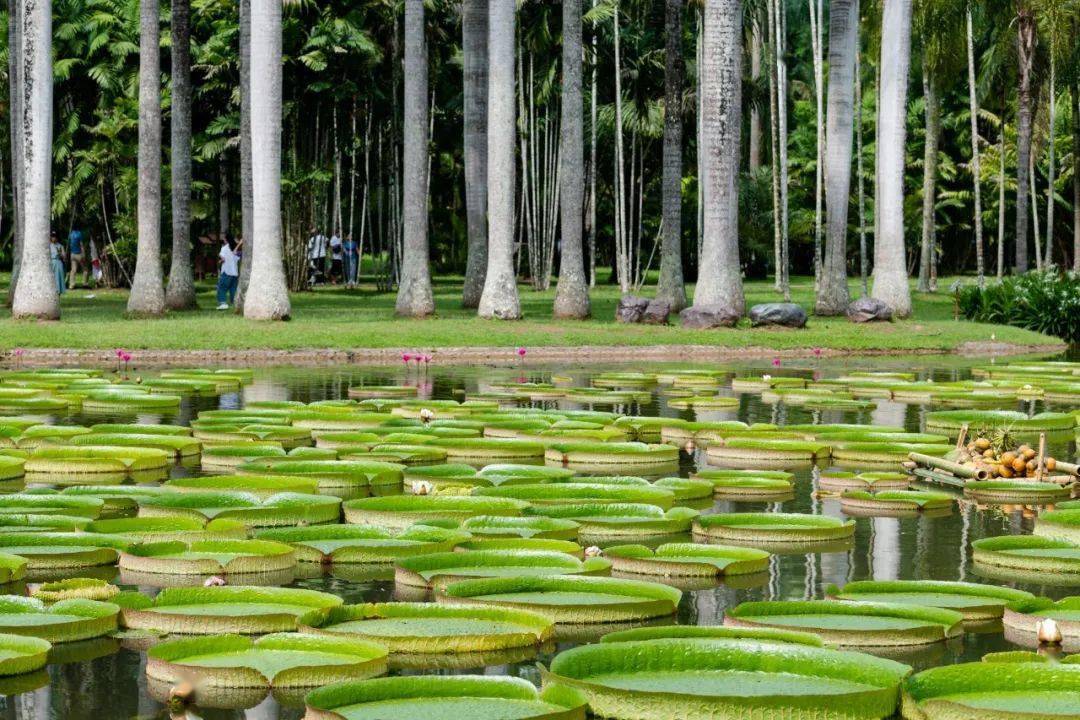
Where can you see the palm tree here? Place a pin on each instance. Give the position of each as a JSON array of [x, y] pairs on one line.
[[147, 297], [247, 204], [720, 275], [890, 266], [35, 293], [474, 46], [180, 292], [268, 294], [572, 293], [976, 170], [415, 296], [671, 288], [832, 297], [1026, 35], [14, 101], [500, 297], [932, 113]]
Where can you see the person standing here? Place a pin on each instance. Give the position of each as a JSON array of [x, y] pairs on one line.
[[77, 257], [352, 261], [337, 257], [229, 273], [56, 257], [316, 252]]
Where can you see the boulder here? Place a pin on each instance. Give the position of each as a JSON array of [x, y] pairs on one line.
[[657, 313], [631, 309], [867, 309], [785, 314], [704, 317]]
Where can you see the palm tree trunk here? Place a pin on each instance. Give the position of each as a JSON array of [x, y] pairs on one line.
[[832, 298], [415, 296], [572, 293], [671, 288], [592, 159], [929, 187], [36, 292], [817, 41], [1076, 174], [268, 293], [500, 297], [864, 258], [890, 265], [180, 292], [774, 148], [720, 275], [14, 8], [247, 203], [474, 43], [784, 261], [976, 169], [1001, 206], [1052, 158], [1026, 55], [147, 296], [621, 240], [754, 159]]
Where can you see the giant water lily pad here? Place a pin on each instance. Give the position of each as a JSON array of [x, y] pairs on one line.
[[686, 560], [458, 697], [285, 660], [494, 526], [1063, 524], [577, 493], [896, 502], [1023, 620], [353, 476], [276, 510], [226, 456], [209, 557], [705, 678], [402, 511], [167, 529], [766, 453], [61, 622], [261, 485], [748, 485], [1026, 557], [91, 459], [1018, 424], [21, 654], [584, 455], [181, 446], [839, 480], [994, 691], [443, 568], [599, 521], [227, 609], [50, 504], [58, 550], [860, 624], [574, 600], [1016, 491], [772, 528], [427, 628], [12, 568], [344, 544], [974, 601]]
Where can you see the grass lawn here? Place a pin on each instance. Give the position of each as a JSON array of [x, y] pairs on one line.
[[364, 318]]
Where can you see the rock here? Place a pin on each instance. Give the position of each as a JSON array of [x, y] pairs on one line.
[[704, 317], [785, 314], [657, 313], [631, 309], [867, 309]]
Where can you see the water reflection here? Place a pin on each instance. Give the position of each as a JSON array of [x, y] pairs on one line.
[[106, 683]]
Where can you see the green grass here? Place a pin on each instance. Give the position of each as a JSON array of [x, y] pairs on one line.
[[363, 318]]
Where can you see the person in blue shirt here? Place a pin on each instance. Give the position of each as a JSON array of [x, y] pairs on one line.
[[352, 261], [56, 259], [77, 255]]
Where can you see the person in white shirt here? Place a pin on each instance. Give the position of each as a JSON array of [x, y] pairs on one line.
[[337, 259], [316, 252], [229, 274]]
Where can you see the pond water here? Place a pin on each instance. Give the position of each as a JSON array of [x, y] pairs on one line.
[[108, 682]]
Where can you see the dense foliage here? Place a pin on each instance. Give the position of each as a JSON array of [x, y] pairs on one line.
[[1046, 301]]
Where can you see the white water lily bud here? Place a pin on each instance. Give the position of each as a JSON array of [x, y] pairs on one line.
[[1048, 632], [214, 581], [766, 378], [690, 446], [422, 487], [593, 551], [426, 415]]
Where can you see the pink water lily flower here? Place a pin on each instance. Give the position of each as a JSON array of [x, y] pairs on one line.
[[521, 352], [776, 362], [405, 358], [817, 352]]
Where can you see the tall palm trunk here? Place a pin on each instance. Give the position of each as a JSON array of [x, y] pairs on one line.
[[1001, 206], [1051, 157], [976, 170], [864, 259], [247, 203], [35, 293], [1025, 25], [817, 43], [754, 158], [474, 43], [929, 187], [890, 265], [720, 274], [1076, 174], [572, 293], [180, 292], [779, 52], [500, 298], [268, 292], [147, 287], [832, 298], [415, 296], [14, 8], [671, 288]]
